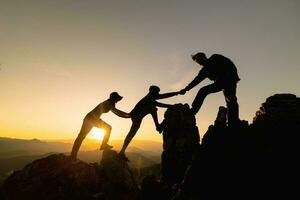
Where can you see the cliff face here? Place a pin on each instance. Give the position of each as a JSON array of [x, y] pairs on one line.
[[180, 143], [277, 125], [257, 160], [55, 177]]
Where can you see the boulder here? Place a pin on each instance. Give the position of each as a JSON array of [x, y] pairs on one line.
[[259, 159], [57, 178], [180, 143]]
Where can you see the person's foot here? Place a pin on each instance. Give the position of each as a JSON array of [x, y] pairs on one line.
[[105, 146], [123, 157]]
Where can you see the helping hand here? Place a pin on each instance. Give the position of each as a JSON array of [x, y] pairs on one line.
[[182, 92]]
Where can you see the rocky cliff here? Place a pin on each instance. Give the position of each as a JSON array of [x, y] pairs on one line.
[[256, 160], [180, 143], [57, 178]]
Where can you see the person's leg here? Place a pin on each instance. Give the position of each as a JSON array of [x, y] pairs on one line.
[[136, 123], [203, 92], [103, 125], [232, 104], [85, 129]]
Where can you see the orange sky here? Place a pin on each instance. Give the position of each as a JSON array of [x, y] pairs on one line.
[[59, 59]]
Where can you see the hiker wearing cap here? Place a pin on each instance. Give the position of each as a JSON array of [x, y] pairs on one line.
[[223, 72], [147, 105], [92, 119]]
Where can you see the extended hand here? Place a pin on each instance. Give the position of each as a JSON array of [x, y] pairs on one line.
[[182, 92]]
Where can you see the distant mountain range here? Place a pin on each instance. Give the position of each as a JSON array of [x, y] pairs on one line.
[[16, 153]]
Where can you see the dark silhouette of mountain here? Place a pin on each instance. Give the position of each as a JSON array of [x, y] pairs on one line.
[[8, 165], [16, 153], [56, 177], [10, 147]]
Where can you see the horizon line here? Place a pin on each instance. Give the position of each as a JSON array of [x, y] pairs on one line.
[[74, 139]]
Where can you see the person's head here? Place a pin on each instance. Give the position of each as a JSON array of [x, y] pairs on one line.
[[200, 58], [115, 97], [154, 90]]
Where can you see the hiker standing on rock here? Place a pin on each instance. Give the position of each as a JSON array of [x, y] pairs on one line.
[[92, 119], [223, 72]]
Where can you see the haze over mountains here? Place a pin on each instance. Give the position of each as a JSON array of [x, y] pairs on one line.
[[16, 153]]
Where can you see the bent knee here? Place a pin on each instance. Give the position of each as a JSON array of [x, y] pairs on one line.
[[204, 91]]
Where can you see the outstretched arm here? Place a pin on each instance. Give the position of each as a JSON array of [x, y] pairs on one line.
[[120, 113], [198, 79], [162, 105], [155, 119], [157, 125], [167, 95]]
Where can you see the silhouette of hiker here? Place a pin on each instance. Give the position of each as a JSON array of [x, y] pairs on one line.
[[93, 119], [147, 105], [223, 72]]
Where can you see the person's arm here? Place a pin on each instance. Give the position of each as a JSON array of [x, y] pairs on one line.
[[162, 105], [198, 79], [167, 95], [120, 113], [155, 119]]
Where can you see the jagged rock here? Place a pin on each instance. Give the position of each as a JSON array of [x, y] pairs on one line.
[[277, 125], [279, 107], [120, 182], [180, 143], [221, 117], [53, 177], [151, 189], [259, 159], [57, 178]]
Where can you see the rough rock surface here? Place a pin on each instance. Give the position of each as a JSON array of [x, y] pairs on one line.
[[180, 143], [277, 125], [257, 160], [57, 178]]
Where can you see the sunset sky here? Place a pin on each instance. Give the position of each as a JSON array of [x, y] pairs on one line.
[[60, 58]]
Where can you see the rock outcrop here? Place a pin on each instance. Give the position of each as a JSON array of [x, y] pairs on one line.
[[259, 159], [277, 125], [180, 143], [57, 178]]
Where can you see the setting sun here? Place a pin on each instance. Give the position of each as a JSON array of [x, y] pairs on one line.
[[96, 134]]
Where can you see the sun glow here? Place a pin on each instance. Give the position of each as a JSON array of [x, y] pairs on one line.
[[96, 134]]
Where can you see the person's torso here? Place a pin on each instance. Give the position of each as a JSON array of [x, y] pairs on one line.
[[220, 68], [145, 106], [103, 107]]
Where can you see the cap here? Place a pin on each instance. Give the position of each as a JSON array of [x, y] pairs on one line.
[[115, 95], [154, 88]]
